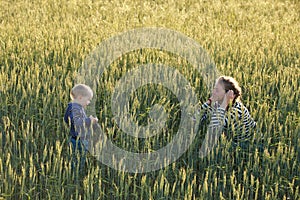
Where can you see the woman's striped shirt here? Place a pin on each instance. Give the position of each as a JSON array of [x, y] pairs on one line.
[[236, 122]]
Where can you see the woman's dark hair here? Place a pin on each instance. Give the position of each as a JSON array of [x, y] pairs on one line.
[[230, 83]]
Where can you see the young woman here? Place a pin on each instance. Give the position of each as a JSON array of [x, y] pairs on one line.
[[226, 111]]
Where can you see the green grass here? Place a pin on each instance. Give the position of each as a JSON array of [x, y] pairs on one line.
[[42, 45]]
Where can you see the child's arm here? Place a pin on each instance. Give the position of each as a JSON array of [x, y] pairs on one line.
[[68, 115], [81, 122]]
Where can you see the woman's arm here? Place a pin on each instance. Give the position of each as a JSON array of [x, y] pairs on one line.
[[203, 112], [218, 118], [241, 122]]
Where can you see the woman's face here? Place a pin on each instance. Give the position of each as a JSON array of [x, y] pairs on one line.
[[218, 92]]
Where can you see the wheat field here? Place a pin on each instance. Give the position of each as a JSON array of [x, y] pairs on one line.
[[43, 44]]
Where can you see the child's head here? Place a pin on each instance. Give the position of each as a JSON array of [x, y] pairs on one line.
[[82, 94]]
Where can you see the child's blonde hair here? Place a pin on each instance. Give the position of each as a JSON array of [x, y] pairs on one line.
[[81, 90]]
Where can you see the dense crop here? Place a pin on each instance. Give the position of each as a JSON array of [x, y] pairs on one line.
[[43, 44]]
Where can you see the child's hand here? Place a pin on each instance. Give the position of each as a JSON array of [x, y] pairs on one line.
[[93, 119]]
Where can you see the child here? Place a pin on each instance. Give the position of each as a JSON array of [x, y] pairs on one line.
[[79, 123]]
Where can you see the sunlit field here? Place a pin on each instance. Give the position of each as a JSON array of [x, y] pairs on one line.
[[42, 47]]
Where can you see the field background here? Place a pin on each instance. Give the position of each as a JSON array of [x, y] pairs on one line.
[[42, 45]]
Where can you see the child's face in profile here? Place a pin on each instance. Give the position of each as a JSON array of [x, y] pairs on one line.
[[84, 100]]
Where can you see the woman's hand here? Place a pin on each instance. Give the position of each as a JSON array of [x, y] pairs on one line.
[[211, 100], [228, 97]]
